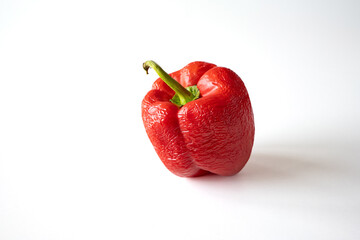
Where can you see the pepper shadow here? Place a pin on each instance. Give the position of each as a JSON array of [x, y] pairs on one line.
[[270, 167]]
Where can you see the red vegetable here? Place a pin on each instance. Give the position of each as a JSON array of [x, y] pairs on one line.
[[206, 128]]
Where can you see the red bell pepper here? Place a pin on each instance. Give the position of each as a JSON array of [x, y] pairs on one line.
[[199, 119]]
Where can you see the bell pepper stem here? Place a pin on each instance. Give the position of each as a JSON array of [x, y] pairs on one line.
[[185, 96]]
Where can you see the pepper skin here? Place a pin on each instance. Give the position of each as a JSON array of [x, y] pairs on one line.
[[212, 134]]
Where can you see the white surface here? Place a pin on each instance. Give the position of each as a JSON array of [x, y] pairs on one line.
[[75, 161]]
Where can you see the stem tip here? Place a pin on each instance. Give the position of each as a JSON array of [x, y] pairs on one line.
[[146, 67]]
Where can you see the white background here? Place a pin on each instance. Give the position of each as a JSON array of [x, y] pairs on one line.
[[76, 163]]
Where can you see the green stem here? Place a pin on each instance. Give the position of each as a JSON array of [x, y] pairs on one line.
[[184, 95]]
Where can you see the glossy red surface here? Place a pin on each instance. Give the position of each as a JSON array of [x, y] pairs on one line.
[[213, 134]]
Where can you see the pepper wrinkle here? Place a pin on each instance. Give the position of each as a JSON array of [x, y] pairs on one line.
[[212, 134]]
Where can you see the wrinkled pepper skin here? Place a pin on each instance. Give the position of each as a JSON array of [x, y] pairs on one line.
[[212, 134]]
